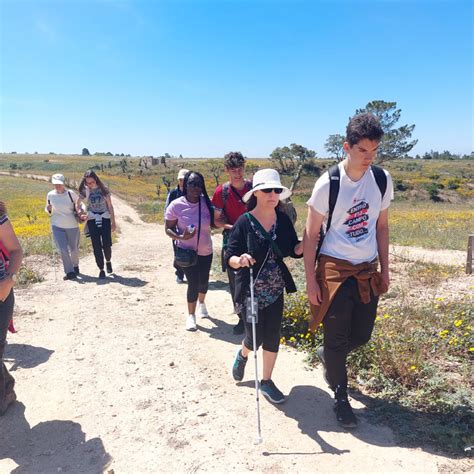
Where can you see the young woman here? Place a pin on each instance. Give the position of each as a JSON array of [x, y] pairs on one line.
[[11, 256], [188, 221], [271, 236], [61, 206], [100, 218]]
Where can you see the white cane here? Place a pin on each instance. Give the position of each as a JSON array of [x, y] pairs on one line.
[[53, 252]]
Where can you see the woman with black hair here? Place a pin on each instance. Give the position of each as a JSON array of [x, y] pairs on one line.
[[188, 221], [100, 218]]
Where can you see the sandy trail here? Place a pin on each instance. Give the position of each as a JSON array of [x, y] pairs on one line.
[[107, 378]]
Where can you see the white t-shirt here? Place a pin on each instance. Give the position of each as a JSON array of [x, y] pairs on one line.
[[62, 213], [352, 235]]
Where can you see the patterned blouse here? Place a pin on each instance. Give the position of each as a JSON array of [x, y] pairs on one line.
[[269, 283], [3, 254]]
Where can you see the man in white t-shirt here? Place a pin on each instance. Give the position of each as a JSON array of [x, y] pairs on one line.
[[344, 285]]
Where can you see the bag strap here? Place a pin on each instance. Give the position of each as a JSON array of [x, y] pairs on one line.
[[199, 226], [227, 187], [380, 179], [265, 234], [334, 182]]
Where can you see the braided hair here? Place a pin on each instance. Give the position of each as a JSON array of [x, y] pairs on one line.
[[203, 194]]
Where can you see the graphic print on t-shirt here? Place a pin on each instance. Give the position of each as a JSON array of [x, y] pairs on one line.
[[357, 221]]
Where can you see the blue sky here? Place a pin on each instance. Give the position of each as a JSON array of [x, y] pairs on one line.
[[201, 78]]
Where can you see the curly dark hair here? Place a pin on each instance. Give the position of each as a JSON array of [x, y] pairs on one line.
[[234, 159], [203, 189], [93, 175], [3, 208], [362, 126]]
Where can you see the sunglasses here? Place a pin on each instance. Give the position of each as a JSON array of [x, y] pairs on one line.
[[195, 184], [269, 190]]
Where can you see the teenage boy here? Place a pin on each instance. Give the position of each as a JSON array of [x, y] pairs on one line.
[[175, 194], [345, 285], [229, 206]]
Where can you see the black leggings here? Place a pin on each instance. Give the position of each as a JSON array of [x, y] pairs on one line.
[[101, 238], [198, 277], [347, 325], [6, 380], [267, 328]]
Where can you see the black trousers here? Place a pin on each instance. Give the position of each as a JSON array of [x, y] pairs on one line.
[[179, 271], [267, 328], [7, 382], [198, 277], [348, 324], [101, 238]]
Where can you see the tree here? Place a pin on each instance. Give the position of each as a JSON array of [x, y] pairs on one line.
[[335, 146], [216, 171], [395, 143], [85, 152], [290, 158]]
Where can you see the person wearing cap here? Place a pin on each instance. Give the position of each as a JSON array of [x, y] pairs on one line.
[[228, 202], [61, 207], [11, 256], [262, 238], [172, 195]]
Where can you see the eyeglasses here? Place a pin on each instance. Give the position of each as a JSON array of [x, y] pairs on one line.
[[269, 190]]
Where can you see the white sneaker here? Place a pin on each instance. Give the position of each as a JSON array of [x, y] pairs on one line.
[[202, 310], [191, 323]]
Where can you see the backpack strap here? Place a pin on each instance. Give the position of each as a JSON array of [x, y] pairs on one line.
[[334, 183], [380, 179], [227, 188]]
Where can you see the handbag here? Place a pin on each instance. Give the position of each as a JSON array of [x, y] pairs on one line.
[[77, 216], [185, 258]]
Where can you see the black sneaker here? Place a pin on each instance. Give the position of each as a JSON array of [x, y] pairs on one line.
[[322, 360], [102, 275], [344, 414], [69, 276], [76, 270], [270, 392], [238, 368], [108, 265], [238, 328]]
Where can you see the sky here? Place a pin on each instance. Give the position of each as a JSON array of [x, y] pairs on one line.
[[202, 78]]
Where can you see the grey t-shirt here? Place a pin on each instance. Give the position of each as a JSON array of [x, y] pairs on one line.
[[96, 202]]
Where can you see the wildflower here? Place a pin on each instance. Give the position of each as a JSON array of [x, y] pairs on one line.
[[471, 349], [386, 316], [292, 339], [458, 322], [413, 367]]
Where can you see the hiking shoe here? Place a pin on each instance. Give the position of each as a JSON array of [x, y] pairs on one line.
[[238, 368], [270, 392], [76, 270], [102, 275], [108, 265], [191, 323], [322, 360], [69, 276], [179, 280], [10, 397], [238, 328], [202, 310], [344, 414]]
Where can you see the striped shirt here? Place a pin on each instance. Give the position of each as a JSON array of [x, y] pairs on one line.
[[3, 253]]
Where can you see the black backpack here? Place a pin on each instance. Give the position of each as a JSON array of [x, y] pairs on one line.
[[334, 181]]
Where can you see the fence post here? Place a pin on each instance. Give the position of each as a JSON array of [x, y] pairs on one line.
[[470, 244]]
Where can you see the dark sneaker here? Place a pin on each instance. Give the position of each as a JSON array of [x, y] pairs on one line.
[[102, 275], [69, 276], [238, 328], [270, 392], [108, 265], [344, 414], [238, 368], [76, 270], [322, 360], [10, 397]]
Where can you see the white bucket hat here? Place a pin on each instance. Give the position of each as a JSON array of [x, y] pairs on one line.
[[267, 179], [58, 179], [182, 173]]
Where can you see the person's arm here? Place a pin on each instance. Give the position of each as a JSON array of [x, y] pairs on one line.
[[237, 255], [296, 246], [170, 229], [310, 244], [13, 247], [48, 208], [382, 244], [110, 207]]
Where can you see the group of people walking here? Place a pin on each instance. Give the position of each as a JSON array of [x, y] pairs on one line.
[[345, 241]]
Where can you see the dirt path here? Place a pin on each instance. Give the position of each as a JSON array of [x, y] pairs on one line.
[[107, 378]]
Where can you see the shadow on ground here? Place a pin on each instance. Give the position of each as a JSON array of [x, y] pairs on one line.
[[24, 356], [51, 446]]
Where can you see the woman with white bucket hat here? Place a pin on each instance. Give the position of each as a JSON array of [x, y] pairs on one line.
[[261, 238]]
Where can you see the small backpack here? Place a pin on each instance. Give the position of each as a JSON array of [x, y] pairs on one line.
[[227, 188]]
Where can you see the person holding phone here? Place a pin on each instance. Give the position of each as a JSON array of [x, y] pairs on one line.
[[188, 221], [262, 237]]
